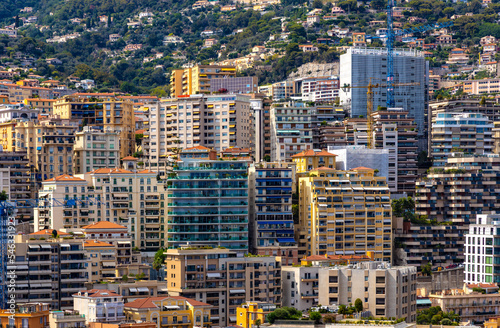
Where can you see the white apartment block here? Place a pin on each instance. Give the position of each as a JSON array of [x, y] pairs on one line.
[[95, 149], [385, 291], [320, 89], [99, 305], [480, 262], [214, 121], [116, 195], [9, 112]]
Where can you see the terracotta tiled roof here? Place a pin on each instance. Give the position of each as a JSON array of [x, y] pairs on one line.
[[129, 158], [480, 285], [145, 172], [104, 225], [112, 171], [98, 293], [311, 152], [145, 303], [65, 177], [49, 232], [96, 243]]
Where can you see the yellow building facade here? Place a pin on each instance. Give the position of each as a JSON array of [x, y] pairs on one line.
[[169, 311], [107, 114], [253, 314], [195, 80], [344, 213], [310, 160]]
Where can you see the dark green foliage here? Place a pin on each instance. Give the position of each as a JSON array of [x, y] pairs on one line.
[[435, 316], [284, 313]]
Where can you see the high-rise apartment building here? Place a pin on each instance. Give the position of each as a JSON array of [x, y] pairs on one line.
[[132, 199], [48, 143], [208, 204], [345, 213], [261, 129], [197, 79], [15, 180], [218, 122], [292, 126], [106, 114], [48, 269], [392, 130], [359, 66], [271, 220], [222, 279], [384, 290], [466, 186], [95, 149], [464, 133], [481, 261]]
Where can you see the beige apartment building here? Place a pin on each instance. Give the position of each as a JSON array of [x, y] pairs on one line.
[[95, 149], [214, 121], [110, 253], [385, 291], [469, 305], [48, 143], [196, 80], [106, 114], [222, 279], [483, 86], [115, 195], [345, 213]]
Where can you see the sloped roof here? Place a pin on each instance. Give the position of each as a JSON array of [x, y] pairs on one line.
[[104, 225], [49, 232], [129, 158], [361, 168], [96, 243], [311, 152], [65, 177], [116, 170], [98, 293]]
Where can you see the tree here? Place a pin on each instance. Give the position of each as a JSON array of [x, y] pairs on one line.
[[159, 260], [125, 278], [358, 305], [258, 322], [427, 269], [284, 313], [317, 4], [316, 316], [342, 309], [4, 195]]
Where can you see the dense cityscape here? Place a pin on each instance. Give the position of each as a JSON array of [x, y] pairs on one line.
[[237, 163]]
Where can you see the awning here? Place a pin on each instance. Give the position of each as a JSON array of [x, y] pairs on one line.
[[108, 263], [45, 246], [46, 285], [35, 285], [65, 245], [236, 291], [213, 275], [11, 267], [123, 242], [34, 246], [22, 267], [163, 289], [172, 307], [142, 289], [132, 290], [285, 240], [121, 195], [424, 302], [233, 319], [22, 286]]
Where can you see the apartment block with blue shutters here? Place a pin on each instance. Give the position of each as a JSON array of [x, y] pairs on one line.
[[271, 219]]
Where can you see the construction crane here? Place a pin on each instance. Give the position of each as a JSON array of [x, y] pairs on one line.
[[391, 37], [369, 103], [7, 212]]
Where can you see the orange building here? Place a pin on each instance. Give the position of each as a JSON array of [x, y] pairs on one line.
[[144, 324], [32, 315]]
